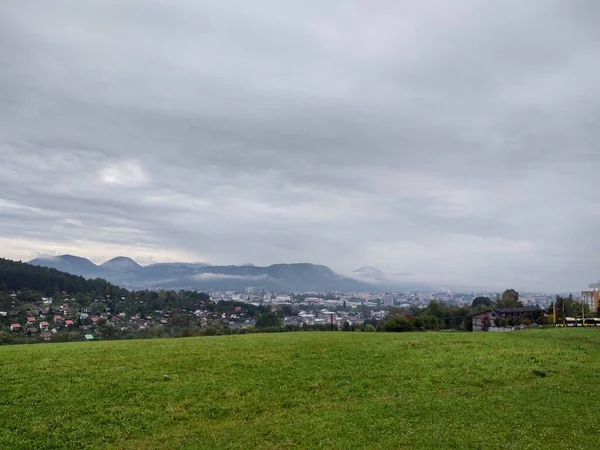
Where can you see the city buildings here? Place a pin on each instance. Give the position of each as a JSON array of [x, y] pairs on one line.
[[592, 297]]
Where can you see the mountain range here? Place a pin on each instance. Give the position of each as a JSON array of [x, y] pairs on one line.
[[279, 277], [126, 272]]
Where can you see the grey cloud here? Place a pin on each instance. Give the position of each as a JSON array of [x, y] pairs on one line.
[[418, 137]]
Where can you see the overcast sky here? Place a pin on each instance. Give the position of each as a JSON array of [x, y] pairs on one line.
[[458, 141]]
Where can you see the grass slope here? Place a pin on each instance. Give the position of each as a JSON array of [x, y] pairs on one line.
[[532, 389]]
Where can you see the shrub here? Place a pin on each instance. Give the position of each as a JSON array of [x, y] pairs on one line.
[[399, 324], [210, 331], [542, 320], [427, 322]]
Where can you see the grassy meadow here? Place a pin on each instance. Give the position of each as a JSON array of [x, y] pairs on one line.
[[529, 389]]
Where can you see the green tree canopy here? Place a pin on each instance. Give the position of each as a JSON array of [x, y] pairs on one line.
[[268, 320], [510, 299], [481, 301], [399, 324]]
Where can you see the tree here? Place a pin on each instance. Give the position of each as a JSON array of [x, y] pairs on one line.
[[427, 322], [108, 331], [481, 301], [268, 320], [510, 299], [286, 310], [210, 331], [370, 328], [399, 324], [542, 319], [568, 307]]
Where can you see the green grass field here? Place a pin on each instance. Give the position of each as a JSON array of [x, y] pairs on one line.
[[529, 389]]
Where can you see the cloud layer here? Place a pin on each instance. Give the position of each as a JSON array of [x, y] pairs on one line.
[[456, 141]]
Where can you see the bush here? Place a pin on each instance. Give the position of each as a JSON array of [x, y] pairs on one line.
[[542, 320], [186, 333], [210, 331], [399, 324], [370, 328], [427, 322]]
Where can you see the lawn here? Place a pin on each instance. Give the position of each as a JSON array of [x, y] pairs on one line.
[[528, 389]]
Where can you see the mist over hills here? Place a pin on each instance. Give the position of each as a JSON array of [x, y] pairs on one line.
[[391, 281], [278, 277]]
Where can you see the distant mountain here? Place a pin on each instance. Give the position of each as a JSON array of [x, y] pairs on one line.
[[120, 264], [278, 277], [71, 264], [370, 272]]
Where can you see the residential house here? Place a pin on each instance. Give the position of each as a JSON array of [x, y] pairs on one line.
[[503, 319], [69, 323], [15, 327], [44, 325], [46, 335]]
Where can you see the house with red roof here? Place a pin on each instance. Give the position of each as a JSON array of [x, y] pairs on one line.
[[44, 325], [69, 323], [15, 327], [31, 319]]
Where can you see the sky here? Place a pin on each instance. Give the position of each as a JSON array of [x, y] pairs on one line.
[[456, 142]]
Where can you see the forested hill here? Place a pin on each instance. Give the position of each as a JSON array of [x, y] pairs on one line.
[[16, 275]]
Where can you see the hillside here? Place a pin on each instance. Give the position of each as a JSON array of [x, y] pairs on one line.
[[16, 275], [120, 264], [278, 277], [533, 389], [74, 265]]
